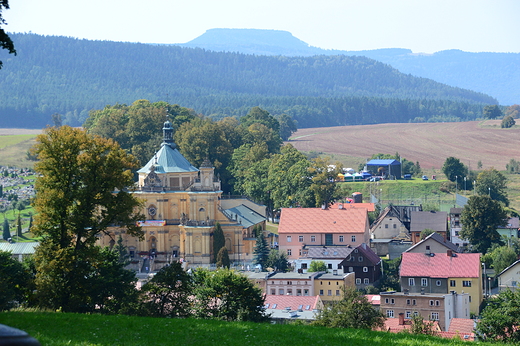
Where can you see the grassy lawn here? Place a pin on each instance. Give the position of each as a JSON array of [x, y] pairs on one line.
[[56, 329]]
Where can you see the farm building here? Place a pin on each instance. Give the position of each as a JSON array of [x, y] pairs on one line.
[[388, 168]]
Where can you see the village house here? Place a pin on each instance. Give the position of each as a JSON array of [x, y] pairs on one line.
[[282, 309], [509, 278], [431, 306], [434, 243], [365, 264], [434, 220], [442, 273], [329, 286], [332, 256], [302, 228]]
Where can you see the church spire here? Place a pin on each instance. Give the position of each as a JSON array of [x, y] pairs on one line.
[[168, 134]]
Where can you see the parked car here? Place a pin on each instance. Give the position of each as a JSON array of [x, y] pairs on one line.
[[424, 177], [407, 176], [375, 179]]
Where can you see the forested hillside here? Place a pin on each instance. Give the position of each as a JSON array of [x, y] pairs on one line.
[[496, 74], [71, 77]]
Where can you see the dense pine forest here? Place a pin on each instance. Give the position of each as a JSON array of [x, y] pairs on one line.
[[71, 77]]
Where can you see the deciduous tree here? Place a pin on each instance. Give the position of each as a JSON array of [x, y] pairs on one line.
[[480, 218], [501, 317], [5, 40], [81, 191], [507, 122], [454, 169], [352, 311], [492, 183], [223, 258], [14, 281], [317, 266], [492, 112], [277, 260]]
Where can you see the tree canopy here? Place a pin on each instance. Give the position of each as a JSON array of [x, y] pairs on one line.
[[480, 218], [492, 112], [494, 184], [5, 40], [81, 191], [454, 169], [501, 317]]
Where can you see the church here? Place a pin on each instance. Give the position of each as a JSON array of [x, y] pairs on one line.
[[182, 204]]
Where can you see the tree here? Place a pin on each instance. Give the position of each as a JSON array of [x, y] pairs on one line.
[[323, 186], [317, 266], [513, 111], [480, 218], [6, 232], [81, 191], [261, 250], [287, 126], [168, 293], [122, 251], [492, 112], [5, 40], [223, 258], [19, 226], [426, 232], [419, 326], [454, 169], [502, 257], [507, 122], [277, 260], [14, 280], [352, 311], [501, 317], [57, 119], [391, 280], [218, 240], [227, 295], [492, 183], [513, 166]]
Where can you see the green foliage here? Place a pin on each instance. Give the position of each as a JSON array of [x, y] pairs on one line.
[[501, 317], [287, 126], [122, 251], [507, 122], [352, 311], [277, 260], [218, 240], [323, 186], [5, 40], [492, 112], [454, 170], [426, 232], [223, 258], [261, 250], [227, 295], [513, 111], [14, 280], [317, 266], [390, 280], [513, 166], [19, 226], [502, 257], [81, 191], [420, 326], [168, 293], [480, 219], [6, 233], [492, 183]]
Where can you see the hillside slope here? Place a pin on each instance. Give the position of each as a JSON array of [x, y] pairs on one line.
[[496, 74], [70, 76]]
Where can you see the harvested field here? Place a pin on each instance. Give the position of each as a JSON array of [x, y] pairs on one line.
[[428, 143], [8, 132]]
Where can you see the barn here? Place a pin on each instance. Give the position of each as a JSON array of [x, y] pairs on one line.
[[390, 169]]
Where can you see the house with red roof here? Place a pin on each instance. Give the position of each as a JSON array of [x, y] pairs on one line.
[[302, 228], [443, 273], [283, 308]]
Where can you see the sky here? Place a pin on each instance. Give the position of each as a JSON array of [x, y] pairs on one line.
[[424, 26]]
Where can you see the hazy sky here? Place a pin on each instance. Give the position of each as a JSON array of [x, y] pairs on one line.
[[420, 25]]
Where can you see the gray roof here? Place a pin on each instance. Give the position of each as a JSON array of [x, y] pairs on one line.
[[511, 266], [378, 162], [244, 215], [168, 160], [293, 276], [439, 239], [438, 221], [19, 248], [329, 252], [331, 276]]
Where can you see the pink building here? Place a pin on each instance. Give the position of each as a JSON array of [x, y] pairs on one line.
[[302, 228]]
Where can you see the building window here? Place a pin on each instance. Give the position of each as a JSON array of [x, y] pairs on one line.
[[437, 303], [289, 283], [298, 292], [427, 247], [281, 292], [411, 282], [466, 283], [469, 298], [321, 292], [395, 225], [341, 239], [329, 240], [407, 301], [366, 281], [289, 238], [329, 265], [358, 281], [337, 292], [392, 301], [350, 269], [289, 292], [365, 269], [435, 316], [305, 292], [408, 314], [438, 282], [353, 238], [414, 302], [273, 291], [329, 292], [360, 259], [453, 283], [289, 252], [431, 302], [300, 252], [304, 265], [386, 225], [387, 300], [390, 313], [424, 282], [300, 238], [313, 238]]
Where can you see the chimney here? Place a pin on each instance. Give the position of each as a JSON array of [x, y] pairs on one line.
[[401, 318], [449, 253]]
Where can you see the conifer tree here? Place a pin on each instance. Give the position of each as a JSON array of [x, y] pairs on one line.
[[19, 226], [223, 258], [218, 241], [261, 250], [6, 232]]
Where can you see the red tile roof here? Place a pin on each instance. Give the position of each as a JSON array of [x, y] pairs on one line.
[[392, 325], [461, 265], [374, 299], [368, 206], [462, 326], [293, 302], [317, 220]]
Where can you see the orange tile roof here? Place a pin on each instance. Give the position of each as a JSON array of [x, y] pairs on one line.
[[392, 325], [317, 220], [292, 302], [462, 265], [462, 326]]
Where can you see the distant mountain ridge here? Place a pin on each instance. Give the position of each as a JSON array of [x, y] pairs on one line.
[[495, 74], [53, 74]]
